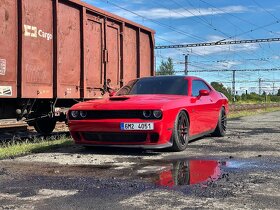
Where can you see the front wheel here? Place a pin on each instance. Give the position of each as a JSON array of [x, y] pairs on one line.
[[180, 135], [221, 128]]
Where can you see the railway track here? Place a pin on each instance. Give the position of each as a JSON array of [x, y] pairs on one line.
[[10, 127], [11, 130], [243, 107]]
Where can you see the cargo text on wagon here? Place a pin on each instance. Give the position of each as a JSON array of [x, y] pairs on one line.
[[34, 32]]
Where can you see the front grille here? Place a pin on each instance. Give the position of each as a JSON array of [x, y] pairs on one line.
[[115, 137], [115, 114]]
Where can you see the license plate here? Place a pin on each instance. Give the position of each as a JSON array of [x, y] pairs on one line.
[[137, 126]]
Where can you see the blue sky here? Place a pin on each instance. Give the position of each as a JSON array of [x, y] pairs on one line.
[[195, 21]]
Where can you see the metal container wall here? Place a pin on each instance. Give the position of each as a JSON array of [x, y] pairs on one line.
[[130, 54], [94, 66], [67, 49], [145, 58], [112, 54], [8, 48], [37, 49]]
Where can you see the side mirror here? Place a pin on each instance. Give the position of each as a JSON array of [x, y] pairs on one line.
[[203, 93], [112, 93]]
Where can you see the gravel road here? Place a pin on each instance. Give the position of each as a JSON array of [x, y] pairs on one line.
[[238, 171]]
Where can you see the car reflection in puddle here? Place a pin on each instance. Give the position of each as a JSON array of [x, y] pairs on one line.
[[184, 172]]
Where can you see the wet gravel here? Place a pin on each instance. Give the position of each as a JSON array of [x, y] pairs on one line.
[[238, 171]]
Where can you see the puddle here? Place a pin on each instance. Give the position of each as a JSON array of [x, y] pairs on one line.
[[183, 172], [164, 172]]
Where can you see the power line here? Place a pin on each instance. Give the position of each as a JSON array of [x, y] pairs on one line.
[[219, 43], [203, 21], [156, 22], [230, 70], [250, 81], [237, 17], [270, 13], [245, 20]]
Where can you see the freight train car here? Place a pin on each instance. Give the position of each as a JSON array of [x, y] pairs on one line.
[[54, 53]]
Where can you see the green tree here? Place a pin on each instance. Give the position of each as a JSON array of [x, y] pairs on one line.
[[166, 68], [221, 88], [278, 93]]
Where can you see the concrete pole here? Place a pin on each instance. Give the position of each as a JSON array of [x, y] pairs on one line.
[[186, 63], [233, 85]]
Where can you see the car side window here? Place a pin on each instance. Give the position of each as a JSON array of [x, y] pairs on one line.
[[198, 85]]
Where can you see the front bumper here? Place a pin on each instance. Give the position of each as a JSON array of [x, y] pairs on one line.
[[109, 133]]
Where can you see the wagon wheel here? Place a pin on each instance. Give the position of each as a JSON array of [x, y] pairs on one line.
[[44, 126], [221, 128], [180, 135]]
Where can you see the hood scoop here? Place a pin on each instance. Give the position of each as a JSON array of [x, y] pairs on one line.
[[118, 98]]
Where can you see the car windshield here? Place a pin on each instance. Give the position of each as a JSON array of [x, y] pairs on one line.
[[156, 85]]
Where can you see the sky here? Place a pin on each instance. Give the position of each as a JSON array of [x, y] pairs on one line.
[[198, 21]]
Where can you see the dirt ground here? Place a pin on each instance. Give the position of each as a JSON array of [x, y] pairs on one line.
[[238, 171]]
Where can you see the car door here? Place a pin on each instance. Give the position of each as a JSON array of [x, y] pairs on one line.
[[202, 108]]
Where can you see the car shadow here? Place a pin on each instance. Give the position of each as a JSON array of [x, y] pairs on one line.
[[103, 150], [72, 149]]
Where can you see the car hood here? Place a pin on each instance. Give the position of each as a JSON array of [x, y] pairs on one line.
[[130, 102]]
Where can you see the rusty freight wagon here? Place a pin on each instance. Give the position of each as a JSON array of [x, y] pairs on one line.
[[54, 53]]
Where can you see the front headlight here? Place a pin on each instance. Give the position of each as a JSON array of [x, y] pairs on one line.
[[74, 114], [83, 114], [157, 114], [147, 113]]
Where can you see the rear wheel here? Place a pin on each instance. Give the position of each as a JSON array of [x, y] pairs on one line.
[[44, 126], [180, 135], [221, 128]]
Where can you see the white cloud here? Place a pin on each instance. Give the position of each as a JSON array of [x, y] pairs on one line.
[[162, 13], [227, 64], [223, 49], [276, 57]]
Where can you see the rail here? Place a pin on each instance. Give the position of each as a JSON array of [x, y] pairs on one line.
[[242, 107]]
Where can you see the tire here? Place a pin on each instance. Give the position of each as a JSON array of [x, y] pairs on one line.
[[221, 128], [180, 135], [44, 126]]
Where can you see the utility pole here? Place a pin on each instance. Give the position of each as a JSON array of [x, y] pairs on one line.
[[260, 83], [273, 88], [233, 84], [186, 63]]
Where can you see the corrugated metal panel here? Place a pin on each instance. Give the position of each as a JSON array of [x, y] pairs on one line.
[[130, 54], [112, 54], [94, 66], [37, 49], [8, 45], [145, 55], [69, 51]]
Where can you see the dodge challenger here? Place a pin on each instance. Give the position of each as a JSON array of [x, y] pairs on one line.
[[152, 113]]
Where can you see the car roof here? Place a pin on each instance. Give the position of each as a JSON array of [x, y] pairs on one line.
[[173, 76]]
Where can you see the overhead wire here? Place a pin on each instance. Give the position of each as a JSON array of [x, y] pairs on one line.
[[174, 29], [157, 22]]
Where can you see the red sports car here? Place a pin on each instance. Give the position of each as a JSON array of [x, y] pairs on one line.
[[151, 112]]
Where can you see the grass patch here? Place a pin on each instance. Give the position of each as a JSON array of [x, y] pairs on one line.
[[238, 114], [16, 148]]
